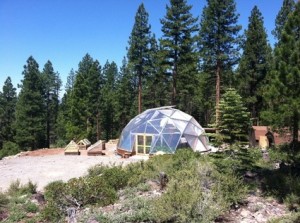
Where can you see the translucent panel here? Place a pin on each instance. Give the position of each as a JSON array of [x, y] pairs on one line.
[[172, 140], [156, 115], [191, 141], [139, 129], [170, 127], [148, 115], [162, 145], [191, 129], [167, 112], [181, 125], [150, 129], [199, 146], [204, 140], [158, 124], [195, 123], [125, 143], [181, 116]]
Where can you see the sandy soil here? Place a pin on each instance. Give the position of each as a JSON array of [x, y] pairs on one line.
[[43, 167]]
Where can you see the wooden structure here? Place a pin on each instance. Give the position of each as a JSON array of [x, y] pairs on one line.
[[84, 144], [97, 149], [274, 138], [72, 149]]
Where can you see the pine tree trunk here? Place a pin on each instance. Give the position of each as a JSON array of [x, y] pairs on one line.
[[48, 124], [295, 128], [140, 95], [174, 88]]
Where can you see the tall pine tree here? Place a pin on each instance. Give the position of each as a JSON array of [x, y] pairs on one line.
[[51, 88], [156, 91], [255, 63], [178, 46], [30, 116], [138, 51], [125, 93], [282, 93], [85, 101], [65, 109], [288, 6], [8, 100], [108, 105], [219, 43]]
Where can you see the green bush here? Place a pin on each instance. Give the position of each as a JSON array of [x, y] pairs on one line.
[[116, 177], [3, 201], [96, 170], [15, 188], [31, 207], [77, 192], [9, 149], [198, 193], [90, 190], [51, 212]]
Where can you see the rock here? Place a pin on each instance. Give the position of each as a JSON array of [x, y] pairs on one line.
[[250, 174]]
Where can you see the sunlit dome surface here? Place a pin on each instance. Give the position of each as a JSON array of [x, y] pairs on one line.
[[162, 129]]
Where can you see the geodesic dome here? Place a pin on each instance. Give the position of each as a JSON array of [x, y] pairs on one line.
[[162, 129]]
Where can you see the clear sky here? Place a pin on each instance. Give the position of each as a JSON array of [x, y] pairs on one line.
[[63, 31]]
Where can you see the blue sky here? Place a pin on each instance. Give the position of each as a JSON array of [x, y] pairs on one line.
[[63, 31]]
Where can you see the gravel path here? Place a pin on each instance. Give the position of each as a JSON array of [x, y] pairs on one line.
[[45, 169]]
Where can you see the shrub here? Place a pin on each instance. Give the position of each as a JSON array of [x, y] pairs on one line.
[[29, 188], [9, 149], [77, 192], [3, 201], [116, 177], [194, 194], [15, 188], [31, 207], [96, 170], [90, 190], [51, 213]]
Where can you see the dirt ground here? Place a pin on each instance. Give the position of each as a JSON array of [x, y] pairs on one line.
[[47, 165]]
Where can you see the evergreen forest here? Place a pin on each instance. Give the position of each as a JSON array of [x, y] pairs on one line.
[[198, 65]]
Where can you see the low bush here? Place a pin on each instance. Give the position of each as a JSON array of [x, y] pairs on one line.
[[31, 207], [3, 201], [77, 192], [9, 149], [197, 194], [15, 188]]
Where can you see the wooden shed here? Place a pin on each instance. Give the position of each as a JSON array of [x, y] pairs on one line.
[[72, 149], [84, 144], [96, 149]]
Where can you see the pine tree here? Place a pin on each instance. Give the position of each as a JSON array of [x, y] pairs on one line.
[[65, 110], [51, 88], [125, 93], [108, 105], [282, 93], [30, 118], [85, 101], [234, 118], [288, 6], [178, 46], [255, 63], [138, 51], [157, 87], [8, 100], [219, 43]]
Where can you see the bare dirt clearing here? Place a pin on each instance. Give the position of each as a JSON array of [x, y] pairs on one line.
[[45, 166]]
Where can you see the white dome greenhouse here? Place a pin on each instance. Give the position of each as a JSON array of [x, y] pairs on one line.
[[162, 129]]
